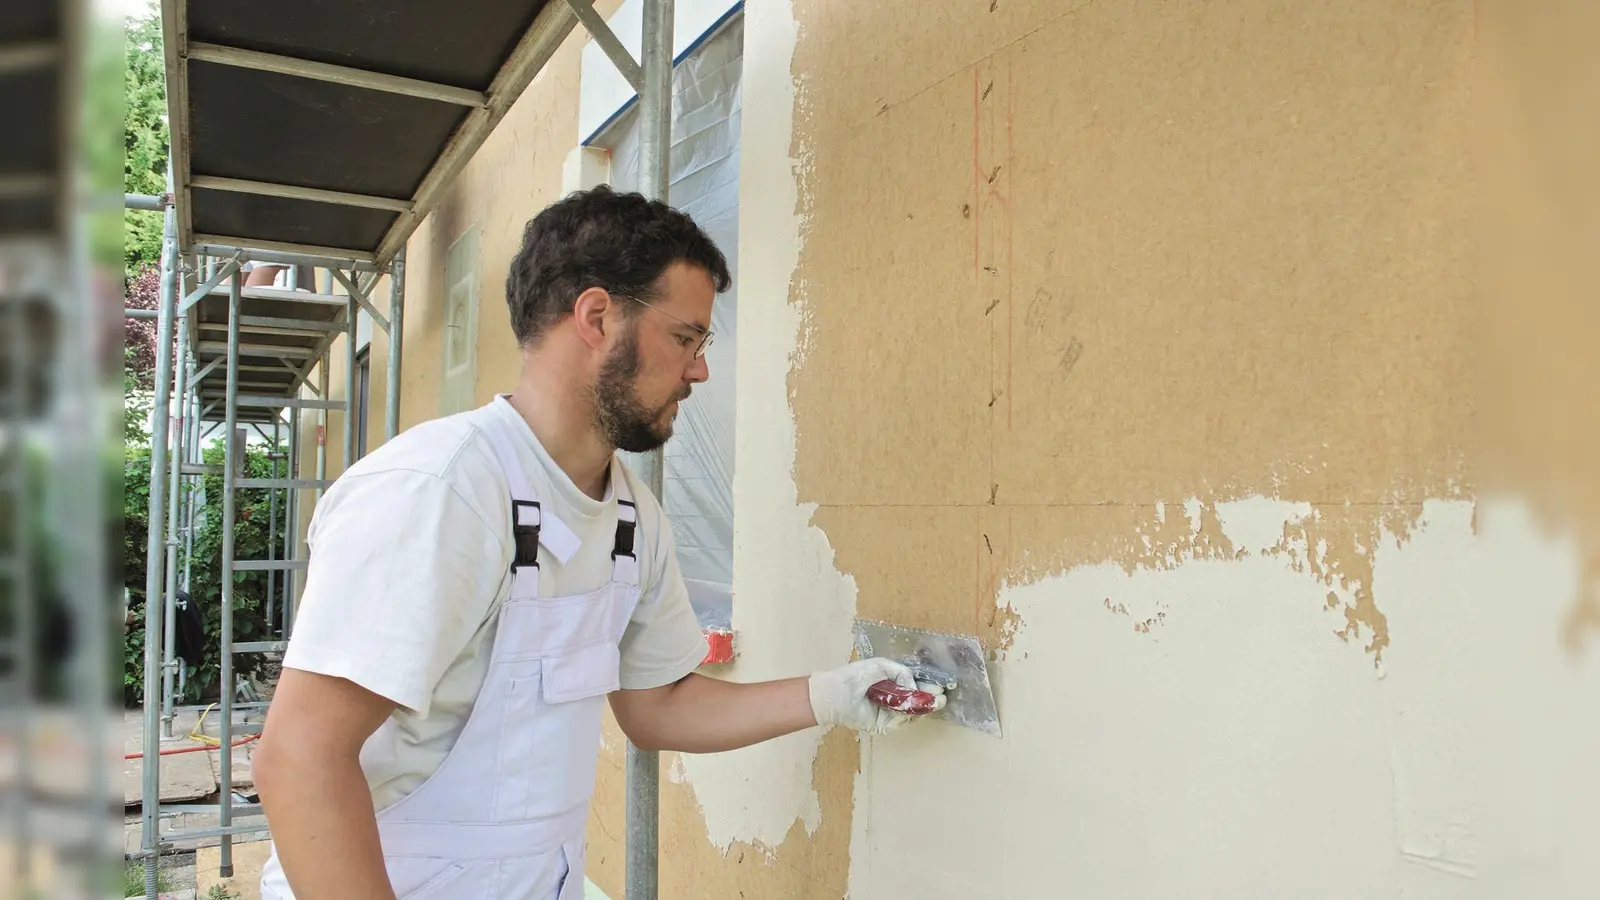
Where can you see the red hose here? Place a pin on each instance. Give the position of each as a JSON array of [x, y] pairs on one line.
[[240, 742]]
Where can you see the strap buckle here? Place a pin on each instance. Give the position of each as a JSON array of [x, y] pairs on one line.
[[626, 525], [526, 537]]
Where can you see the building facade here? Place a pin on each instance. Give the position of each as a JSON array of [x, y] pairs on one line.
[[1148, 342]]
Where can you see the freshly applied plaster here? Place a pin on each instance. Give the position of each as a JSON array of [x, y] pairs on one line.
[[1257, 524], [1238, 748], [792, 609]]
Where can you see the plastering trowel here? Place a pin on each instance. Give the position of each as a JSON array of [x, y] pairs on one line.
[[954, 661]]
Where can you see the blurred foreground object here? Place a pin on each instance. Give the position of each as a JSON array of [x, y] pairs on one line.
[[60, 276]]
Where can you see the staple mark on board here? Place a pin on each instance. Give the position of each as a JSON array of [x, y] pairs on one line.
[[1069, 359]]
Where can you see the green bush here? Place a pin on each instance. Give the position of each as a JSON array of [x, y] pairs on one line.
[[133, 880], [251, 511]]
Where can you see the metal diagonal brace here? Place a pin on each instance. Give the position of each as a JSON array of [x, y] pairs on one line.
[[300, 373], [305, 68], [200, 376], [607, 39], [293, 192], [361, 298], [228, 267]]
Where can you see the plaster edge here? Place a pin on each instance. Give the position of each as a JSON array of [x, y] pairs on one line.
[[792, 609]]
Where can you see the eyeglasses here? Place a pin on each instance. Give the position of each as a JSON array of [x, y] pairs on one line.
[[705, 334]]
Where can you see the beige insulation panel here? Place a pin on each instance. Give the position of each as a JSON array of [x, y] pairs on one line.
[[1126, 253]]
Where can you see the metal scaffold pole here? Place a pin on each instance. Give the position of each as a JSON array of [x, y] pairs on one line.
[[154, 604], [272, 524], [397, 306], [291, 528], [352, 311], [230, 461], [194, 454], [655, 110], [169, 618], [323, 380]]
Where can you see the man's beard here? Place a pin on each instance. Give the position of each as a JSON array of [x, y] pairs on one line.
[[624, 421]]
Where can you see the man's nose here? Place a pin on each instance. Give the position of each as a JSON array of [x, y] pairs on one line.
[[699, 370]]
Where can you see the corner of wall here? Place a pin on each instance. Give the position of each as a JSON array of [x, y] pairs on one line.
[[585, 167]]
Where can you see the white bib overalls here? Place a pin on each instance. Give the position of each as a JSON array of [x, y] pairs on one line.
[[503, 816]]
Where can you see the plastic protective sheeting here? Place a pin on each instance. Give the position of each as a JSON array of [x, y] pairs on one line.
[[697, 477]]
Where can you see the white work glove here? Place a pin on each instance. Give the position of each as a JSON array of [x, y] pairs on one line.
[[839, 696]]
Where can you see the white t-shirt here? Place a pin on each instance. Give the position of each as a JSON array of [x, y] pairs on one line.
[[410, 558]]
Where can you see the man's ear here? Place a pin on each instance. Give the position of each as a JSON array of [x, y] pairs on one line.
[[589, 315]]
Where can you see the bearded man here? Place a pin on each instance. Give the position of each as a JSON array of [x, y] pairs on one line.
[[482, 585]]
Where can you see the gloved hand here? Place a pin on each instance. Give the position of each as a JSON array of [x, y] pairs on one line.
[[839, 696]]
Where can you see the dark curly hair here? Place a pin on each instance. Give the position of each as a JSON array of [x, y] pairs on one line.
[[601, 238]]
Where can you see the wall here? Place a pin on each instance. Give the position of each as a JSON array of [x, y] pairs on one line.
[[1160, 326], [1157, 345]]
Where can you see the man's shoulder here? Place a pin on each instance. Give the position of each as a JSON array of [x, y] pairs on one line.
[[450, 454], [451, 448]]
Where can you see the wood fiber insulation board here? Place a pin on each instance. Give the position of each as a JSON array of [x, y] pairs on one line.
[[1070, 268], [1203, 253], [1065, 261], [1539, 137]]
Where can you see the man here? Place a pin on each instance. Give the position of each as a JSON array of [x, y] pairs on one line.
[[436, 728]]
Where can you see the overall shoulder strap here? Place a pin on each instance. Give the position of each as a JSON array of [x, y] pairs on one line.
[[526, 516], [624, 555]]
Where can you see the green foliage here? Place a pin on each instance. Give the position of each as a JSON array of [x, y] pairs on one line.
[[137, 402], [252, 508], [100, 139], [133, 880], [145, 139], [139, 335]]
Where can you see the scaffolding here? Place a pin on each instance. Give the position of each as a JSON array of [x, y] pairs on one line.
[[321, 152]]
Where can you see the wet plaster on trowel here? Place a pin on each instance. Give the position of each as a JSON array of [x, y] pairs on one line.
[[1240, 747], [792, 611]]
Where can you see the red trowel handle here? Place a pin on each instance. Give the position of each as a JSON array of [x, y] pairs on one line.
[[891, 695]]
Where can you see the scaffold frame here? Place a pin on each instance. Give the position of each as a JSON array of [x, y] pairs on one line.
[[272, 339]]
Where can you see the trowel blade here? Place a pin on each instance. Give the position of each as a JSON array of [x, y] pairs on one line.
[[971, 702]]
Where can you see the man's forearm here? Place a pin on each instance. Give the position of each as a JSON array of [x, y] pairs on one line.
[[323, 826], [705, 715]]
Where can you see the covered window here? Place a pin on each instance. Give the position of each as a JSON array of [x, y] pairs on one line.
[[697, 481]]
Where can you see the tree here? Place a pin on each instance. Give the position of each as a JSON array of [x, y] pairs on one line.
[[146, 146], [139, 335], [145, 139], [250, 532]]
